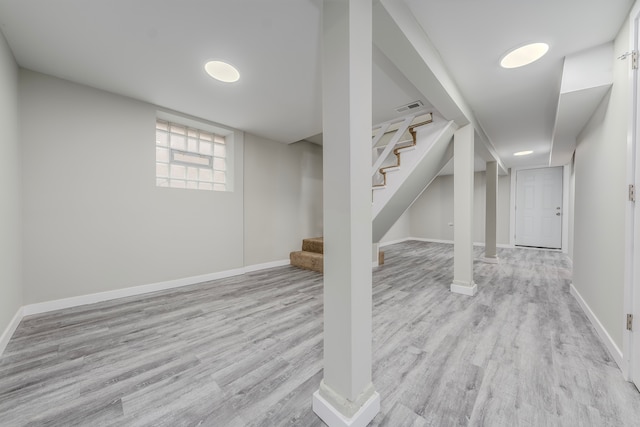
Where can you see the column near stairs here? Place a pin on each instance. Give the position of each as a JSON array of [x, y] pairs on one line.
[[463, 212], [346, 396], [490, 231]]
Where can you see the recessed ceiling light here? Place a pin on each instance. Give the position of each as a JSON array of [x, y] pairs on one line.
[[222, 71], [524, 55], [523, 153]]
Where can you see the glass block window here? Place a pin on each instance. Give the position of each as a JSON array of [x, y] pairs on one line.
[[190, 158]]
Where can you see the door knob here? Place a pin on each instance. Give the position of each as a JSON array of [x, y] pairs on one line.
[[557, 213]]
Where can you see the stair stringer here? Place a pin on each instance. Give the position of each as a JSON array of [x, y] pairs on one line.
[[419, 168]]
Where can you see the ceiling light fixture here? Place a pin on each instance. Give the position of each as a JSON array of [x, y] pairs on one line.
[[524, 55], [523, 153], [222, 71]]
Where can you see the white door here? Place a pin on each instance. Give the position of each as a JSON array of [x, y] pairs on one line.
[[539, 208]]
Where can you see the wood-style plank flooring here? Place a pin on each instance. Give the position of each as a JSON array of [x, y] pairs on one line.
[[247, 351]]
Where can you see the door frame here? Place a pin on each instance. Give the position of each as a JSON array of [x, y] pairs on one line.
[[565, 205], [631, 340]]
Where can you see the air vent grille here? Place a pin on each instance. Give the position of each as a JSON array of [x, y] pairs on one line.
[[410, 106]]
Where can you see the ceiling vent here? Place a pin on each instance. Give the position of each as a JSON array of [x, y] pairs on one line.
[[410, 106]]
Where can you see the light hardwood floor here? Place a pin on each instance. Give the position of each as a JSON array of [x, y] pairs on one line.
[[247, 351]]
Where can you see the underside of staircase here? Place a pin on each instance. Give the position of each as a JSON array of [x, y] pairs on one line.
[[410, 160], [408, 153], [311, 256]]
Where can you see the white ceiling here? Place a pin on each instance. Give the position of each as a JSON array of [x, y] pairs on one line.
[[155, 51], [515, 107]]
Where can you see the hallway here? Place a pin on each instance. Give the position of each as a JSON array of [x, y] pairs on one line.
[[247, 351]]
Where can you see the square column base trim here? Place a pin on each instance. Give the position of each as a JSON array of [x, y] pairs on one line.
[[490, 260], [333, 418], [464, 288]]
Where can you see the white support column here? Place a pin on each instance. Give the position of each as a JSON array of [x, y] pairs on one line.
[[490, 230], [346, 396], [375, 255], [463, 212]]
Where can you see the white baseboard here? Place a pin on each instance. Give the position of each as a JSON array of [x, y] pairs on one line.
[[44, 307], [266, 265], [10, 329], [423, 239], [616, 353], [448, 242], [393, 242], [464, 288], [60, 304], [333, 418]]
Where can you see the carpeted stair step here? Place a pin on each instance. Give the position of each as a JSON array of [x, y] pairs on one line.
[[313, 244], [308, 260]]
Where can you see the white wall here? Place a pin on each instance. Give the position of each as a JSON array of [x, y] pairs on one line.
[[433, 211], [11, 293], [400, 230], [283, 197], [600, 200], [572, 210], [93, 218]]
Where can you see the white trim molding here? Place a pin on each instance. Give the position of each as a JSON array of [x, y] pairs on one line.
[[333, 418], [425, 239], [450, 242], [10, 329], [60, 304], [464, 288], [606, 339], [266, 265], [393, 242], [76, 301]]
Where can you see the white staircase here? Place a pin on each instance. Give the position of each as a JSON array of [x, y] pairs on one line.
[[408, 153]]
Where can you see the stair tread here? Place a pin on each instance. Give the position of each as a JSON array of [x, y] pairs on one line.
[[313, 244], [314, 239], [389, 169], [308, 254], [308, 260]]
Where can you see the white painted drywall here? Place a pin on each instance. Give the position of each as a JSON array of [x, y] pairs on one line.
[[283, 197], [11, 293], [572, 210], [432, 212], [587, 69], [400, 230], [93, 218], [600, 201]]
